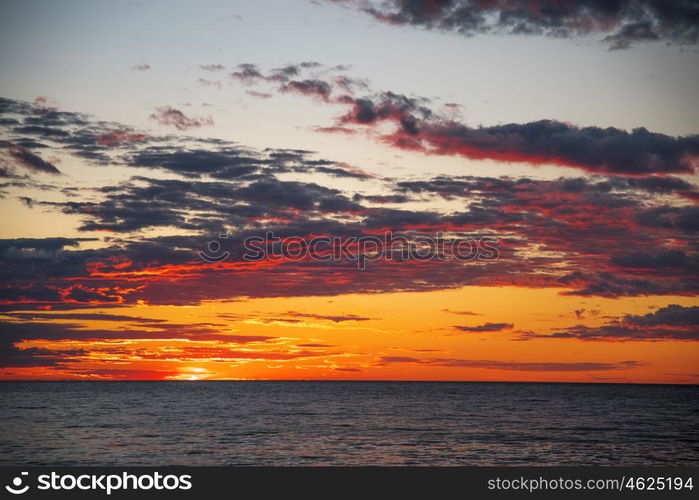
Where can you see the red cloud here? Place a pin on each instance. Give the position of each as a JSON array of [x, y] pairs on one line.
[[120, 136], [169, 116]]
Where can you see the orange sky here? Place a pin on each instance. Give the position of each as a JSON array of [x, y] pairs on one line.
[[574, 149], [412, 328]]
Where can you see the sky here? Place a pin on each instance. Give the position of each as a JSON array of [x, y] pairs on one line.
[[143, 142]]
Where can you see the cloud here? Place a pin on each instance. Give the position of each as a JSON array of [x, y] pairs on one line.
[[210, 83], [125, 373], [417, 127], [25, 158], [212, 67], [14, 332], [672, 315], [80, 316], [582, 313], [673, 322], [120, 136], [169, 116], [510, 365], [669, 259], [334, 319], [486, 327], [593, 149], [246, 73], [217, 161], [584, 236], [313, 88], [682, 218], [622, 23], [34, 245], [461, 313], [261, 95], [31, 357], [140, 67]]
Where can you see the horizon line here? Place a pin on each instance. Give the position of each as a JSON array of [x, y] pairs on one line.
[[360, 381]]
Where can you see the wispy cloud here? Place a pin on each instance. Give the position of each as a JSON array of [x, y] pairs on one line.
[[172, 117], [140, 67], [485, 327], [510, 365]]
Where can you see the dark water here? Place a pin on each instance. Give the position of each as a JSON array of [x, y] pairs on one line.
[[343, 423]]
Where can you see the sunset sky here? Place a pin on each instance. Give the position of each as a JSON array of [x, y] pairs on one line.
[[135, 133]]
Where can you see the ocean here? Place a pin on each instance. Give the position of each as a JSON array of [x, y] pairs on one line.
[[346, 423]]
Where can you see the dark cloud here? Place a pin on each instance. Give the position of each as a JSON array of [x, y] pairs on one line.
[[6, 173], [246, 73], [60, 306], [313, 88], [334, 319], [261, 95], [201, 205], [461, 313], [608, 284], [172, 117], [292, 194], [383, 198], [486, 327], [49, 132], [75, 133], [672, 315], [81, 316], [11, 356], [342, 172], [681, 218], [212, 67], [624, 22], [25, 158], [669, 259], [221, 161], [673, 322], [594, 149], [14, 332], [510, 365], [418, 127], [607, 236], [34, 245], [548, 215]]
